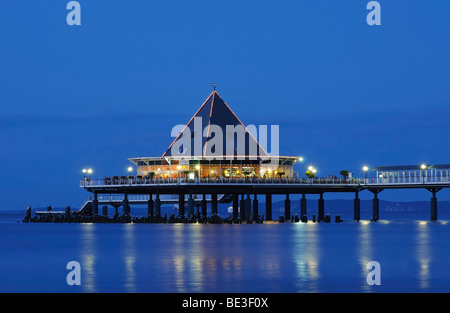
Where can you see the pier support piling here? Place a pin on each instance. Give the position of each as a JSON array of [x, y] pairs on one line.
[[150, 206], [433, 207], [433, 203], [157, 206], [356, 207], [268, 206], [126, 205], [321, 209], [242, 208], [248, 206], [204, 206], [197, 211], [214, 203], [105, 210], [303, 206], [116, 209], [287, 208], [190, 205], [375, 204], [95, 205], [181, 204], [235, 206], [255, 208]]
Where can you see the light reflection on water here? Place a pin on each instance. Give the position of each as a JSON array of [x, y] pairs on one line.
[[129, 255], [306, 257], [423, 254], [365, 252], [287, 257], [88, 257]]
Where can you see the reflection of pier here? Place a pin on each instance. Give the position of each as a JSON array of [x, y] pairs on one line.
[[243, 193]]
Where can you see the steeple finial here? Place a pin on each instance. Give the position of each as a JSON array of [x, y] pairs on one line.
[[214, 86]]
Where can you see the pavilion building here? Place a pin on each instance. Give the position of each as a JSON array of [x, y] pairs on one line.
[[215, 144]]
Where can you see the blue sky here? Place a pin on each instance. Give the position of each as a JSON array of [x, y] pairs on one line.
[[344, 93]]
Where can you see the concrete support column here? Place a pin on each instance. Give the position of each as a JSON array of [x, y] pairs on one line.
[[95, 205], [181, 204], [375, 207], [150, 206], [268, 206], [204, 206], [197, 211], [126, 206], [235, 206], [303, 206], [242, 208], [248, 206], [116, 209], [255, 208], [157, 206], [433, 205], [190, 204], [214, 203], [105, 210], [287, 208], [321, 213], [356, 207]]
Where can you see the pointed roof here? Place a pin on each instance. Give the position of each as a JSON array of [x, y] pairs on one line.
[[214, 111]]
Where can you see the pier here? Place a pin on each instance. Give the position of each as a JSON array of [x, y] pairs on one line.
[[242, 192], [205, 165]]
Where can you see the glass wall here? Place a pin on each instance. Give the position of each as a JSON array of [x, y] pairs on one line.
[[214, 169]]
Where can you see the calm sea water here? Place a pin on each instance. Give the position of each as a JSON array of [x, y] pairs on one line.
[[414, 255]]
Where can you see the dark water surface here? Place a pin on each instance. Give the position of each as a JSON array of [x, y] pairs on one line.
[[314, 257]]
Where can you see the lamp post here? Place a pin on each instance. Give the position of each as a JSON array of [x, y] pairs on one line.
[[423, 167], [312, 171], [129, 169], [365, 169], [88, 172]]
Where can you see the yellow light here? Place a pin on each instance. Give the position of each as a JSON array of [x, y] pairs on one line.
[[179, 167], [423, 166], [89, 171], [365, 168], [310, 168], [314, 170], [130, 169], [197, 167], [300, 159], [84, 170], [159, 169]]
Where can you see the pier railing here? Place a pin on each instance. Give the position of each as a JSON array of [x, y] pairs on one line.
[[136, 181], [140, 199], [128, 181]]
